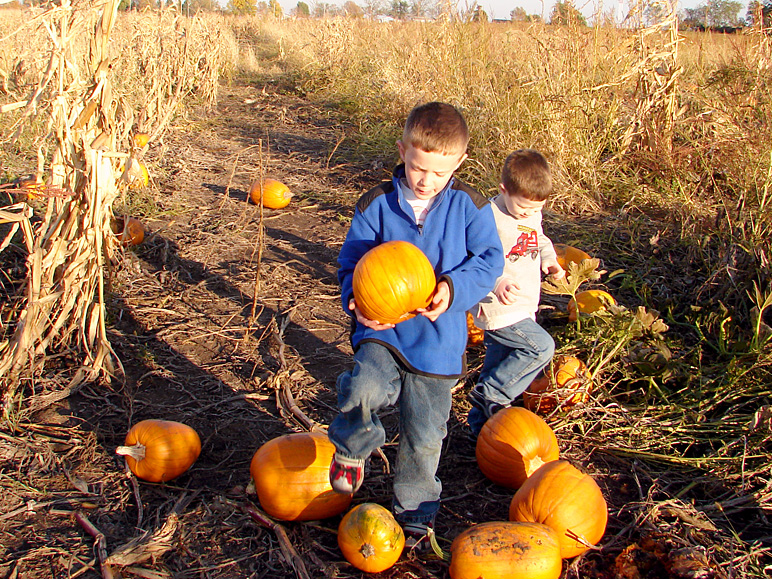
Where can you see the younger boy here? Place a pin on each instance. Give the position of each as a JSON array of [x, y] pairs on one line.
[[417, 362], [516, 347]]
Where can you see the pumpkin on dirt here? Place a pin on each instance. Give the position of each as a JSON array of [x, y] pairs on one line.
[[565, 382], [474, 335], [135, 174], [505, 550], [589, 301], [370, 538], [562, 497], [512, 444], [392, 280], [140, 140], [292, 477], [273, 194], [160, 450], [568, 254], [130, 231]]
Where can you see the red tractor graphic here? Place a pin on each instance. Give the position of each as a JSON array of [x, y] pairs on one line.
[[526, 244]]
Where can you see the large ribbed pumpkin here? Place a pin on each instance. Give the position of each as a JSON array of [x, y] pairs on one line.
[[568, 254], [272, 193], [562, 497], [292, 478], [589, 301], [512, 444], [160, 450], [391, 281], [506, 550], [565, 382], [370, 538]]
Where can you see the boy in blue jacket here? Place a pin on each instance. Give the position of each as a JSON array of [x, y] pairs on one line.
[[416, 362]]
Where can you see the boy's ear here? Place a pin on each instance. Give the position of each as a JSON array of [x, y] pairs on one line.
[[401, 147], [502, 188], [461, 160]]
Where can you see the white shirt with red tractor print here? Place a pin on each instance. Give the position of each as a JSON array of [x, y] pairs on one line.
[[526, 250]]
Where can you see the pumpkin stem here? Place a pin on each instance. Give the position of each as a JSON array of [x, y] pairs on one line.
[[137, 452], [436, 546], [367, 550]]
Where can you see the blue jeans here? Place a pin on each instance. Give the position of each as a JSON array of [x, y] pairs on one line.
[[377, 381], [513, 357]]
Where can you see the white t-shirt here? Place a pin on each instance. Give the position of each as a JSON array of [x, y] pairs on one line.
[[420, 206]]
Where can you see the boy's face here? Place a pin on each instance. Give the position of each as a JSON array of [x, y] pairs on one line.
[[427, 173], [518, 206]]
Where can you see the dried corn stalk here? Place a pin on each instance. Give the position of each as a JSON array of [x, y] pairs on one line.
[[657, 71], [64, 303]]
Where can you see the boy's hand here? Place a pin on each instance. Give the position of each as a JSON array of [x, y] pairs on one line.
[[372, 324], [554, 270], [505, 291], [439, 304]]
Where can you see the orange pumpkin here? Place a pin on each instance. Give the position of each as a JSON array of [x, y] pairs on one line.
[[512, 444], [370, 538], [30, 186], [141, 139], [273, 194], [589, 301], [568, 254], [565, 383], [392, 280], [474, 335], [130, 231], [570, 502], [135, 174], [506, 550], [160, 450], [292, 478]]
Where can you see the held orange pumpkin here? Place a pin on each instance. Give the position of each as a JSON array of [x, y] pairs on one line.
[[392, 280], [570, 502], [568, 254], [160, 450], [130, 231], [506, 550], [370, 538], [565, 383], [512, 444], [274, 194], [292, 478], [589, 301]]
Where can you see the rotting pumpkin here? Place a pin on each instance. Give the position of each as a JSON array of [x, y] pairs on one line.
[[370, 538], [562, 497], [130, 231], [271, 193], [160, 450], [504, 550], [292, 477], [392, 280], [513, 444]]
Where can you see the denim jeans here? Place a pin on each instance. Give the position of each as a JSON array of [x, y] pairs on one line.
[[377, 381], [514, 355]]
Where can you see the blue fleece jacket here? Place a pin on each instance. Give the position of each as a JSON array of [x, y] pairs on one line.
[[459, 237]]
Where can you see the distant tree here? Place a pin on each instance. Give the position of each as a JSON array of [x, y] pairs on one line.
[[479, 15], [242, 6], [193, 6], [423, 8], [759, 13], [374, 8], [399, 9], [518, 15], [353, 10], [564, 12], [302, 10], [715, 13], [325, 10], [275, 9]]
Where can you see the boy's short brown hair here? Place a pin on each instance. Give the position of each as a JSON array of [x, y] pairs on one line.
[[436, 128], [527, 173]]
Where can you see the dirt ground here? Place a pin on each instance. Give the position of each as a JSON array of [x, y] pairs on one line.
[[222, 333]]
